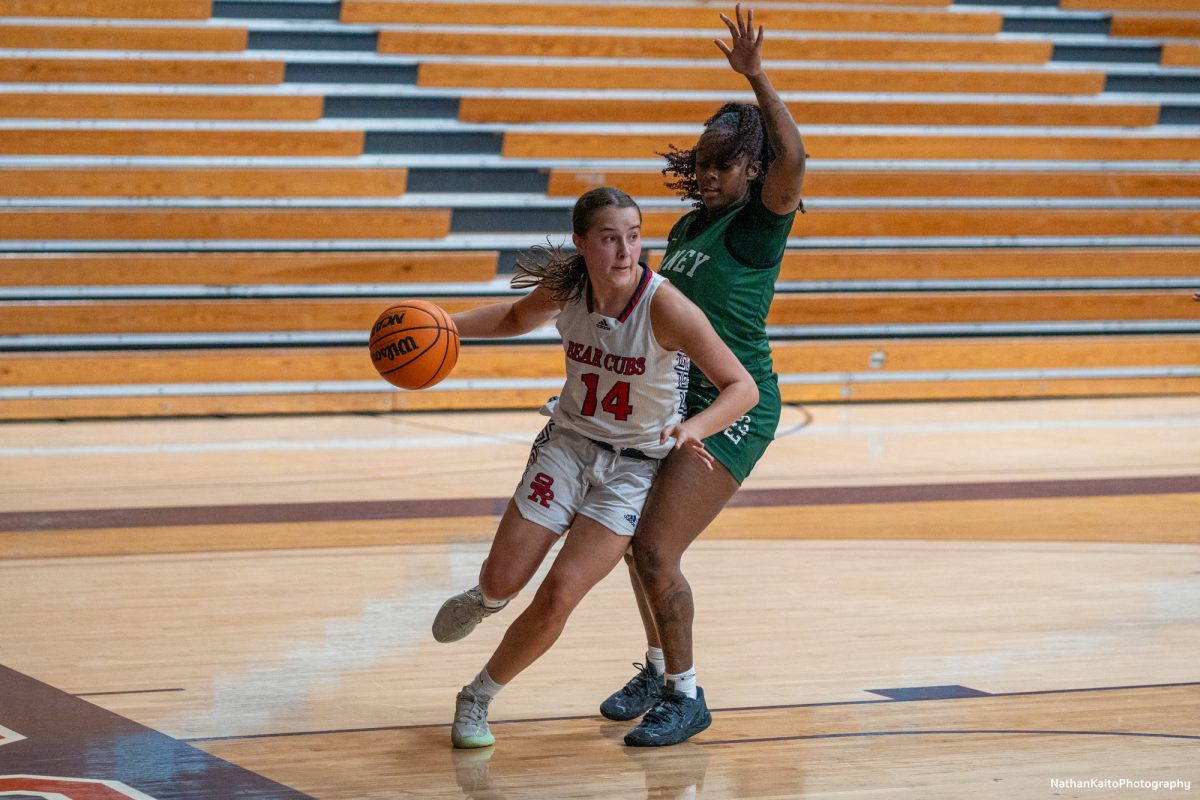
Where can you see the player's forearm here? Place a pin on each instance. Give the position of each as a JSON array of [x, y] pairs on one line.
[[734, 400], [781, 128], [496, 321]]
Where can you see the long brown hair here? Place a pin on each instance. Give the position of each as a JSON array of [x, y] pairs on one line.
[[563, 272]]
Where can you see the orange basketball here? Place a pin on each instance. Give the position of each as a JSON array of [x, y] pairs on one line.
[[414, 344]]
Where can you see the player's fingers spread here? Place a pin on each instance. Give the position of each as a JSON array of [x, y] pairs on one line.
[[721, 45]]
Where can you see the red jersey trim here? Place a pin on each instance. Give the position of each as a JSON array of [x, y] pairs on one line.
[[637, 295]]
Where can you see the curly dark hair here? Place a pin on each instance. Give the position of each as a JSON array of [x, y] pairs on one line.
[[563, 272], [737, 129]]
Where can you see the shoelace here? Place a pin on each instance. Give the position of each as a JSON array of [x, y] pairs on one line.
[[665, 709], [476, 712], [643, 681]]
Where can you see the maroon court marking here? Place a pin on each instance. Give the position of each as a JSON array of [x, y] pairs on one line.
[[69, 737], [77, 519]]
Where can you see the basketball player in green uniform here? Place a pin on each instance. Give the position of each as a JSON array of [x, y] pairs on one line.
[[744, 176]]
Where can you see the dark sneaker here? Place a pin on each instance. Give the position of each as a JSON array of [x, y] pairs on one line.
[[674, 719], [636, 697], [459, 615]]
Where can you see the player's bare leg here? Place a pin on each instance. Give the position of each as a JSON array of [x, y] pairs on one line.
[[684, 500], [517, 551], [644, 689], [589, 553]]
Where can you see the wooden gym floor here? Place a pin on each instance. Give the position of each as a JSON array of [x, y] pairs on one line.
[[927, 600]]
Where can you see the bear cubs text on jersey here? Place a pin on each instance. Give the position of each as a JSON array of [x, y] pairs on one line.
[[620, 365]]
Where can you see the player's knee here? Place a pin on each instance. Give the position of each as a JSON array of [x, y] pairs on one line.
[[556, 599], [499, 584], [648, 560]]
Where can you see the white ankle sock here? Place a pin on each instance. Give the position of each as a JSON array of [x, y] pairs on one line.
[[483, 686], [684, 682], [655, 658], [489, 603]]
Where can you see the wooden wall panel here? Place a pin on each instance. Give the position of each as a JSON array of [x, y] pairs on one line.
[[897, 183], [127, 9], [558, 144], [532, 109], [239, 268], [1178, 54], [1178, 27], [969, 264], [1050, 222], [113, 37], [587, 44], [151, 142], [139, 70], [1130, 5], [517, 361], [599, 15], [227, 223], [56, 105], [202, 182], [785, 79], [155, 316]]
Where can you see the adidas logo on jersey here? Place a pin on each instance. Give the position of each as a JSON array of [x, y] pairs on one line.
[[603, 325]]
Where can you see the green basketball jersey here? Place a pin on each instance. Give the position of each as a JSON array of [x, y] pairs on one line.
[[729, 269]]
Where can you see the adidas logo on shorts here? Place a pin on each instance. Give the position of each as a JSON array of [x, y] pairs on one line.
[[631, 519]]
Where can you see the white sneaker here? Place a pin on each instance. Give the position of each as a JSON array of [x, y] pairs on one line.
[[470, 728], [459, 615]]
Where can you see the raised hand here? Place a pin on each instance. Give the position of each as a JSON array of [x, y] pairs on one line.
[[745, 56]]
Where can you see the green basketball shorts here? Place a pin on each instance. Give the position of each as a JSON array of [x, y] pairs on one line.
[[741, 445]]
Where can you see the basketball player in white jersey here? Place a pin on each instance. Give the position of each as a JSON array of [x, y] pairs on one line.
[[619, 413]]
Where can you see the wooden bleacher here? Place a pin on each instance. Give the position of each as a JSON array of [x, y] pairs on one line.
[[207, 203]]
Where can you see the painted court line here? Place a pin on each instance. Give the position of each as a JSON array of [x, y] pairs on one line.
[[380, 728], [79, 519]]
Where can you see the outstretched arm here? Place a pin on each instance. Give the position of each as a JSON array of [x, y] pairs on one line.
[[503, 320], [782, 186]]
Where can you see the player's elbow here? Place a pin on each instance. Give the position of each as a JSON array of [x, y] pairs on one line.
[[747, 393], [753, 400]]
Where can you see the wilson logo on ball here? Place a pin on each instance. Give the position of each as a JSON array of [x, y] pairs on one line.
[[414, 344], [394, 350]]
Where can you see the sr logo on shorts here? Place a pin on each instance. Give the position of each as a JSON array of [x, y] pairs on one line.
[[541, 491]]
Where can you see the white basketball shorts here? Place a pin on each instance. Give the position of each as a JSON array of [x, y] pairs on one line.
[[569, 474]]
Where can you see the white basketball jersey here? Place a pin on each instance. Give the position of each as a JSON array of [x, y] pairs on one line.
[[622, 386]]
